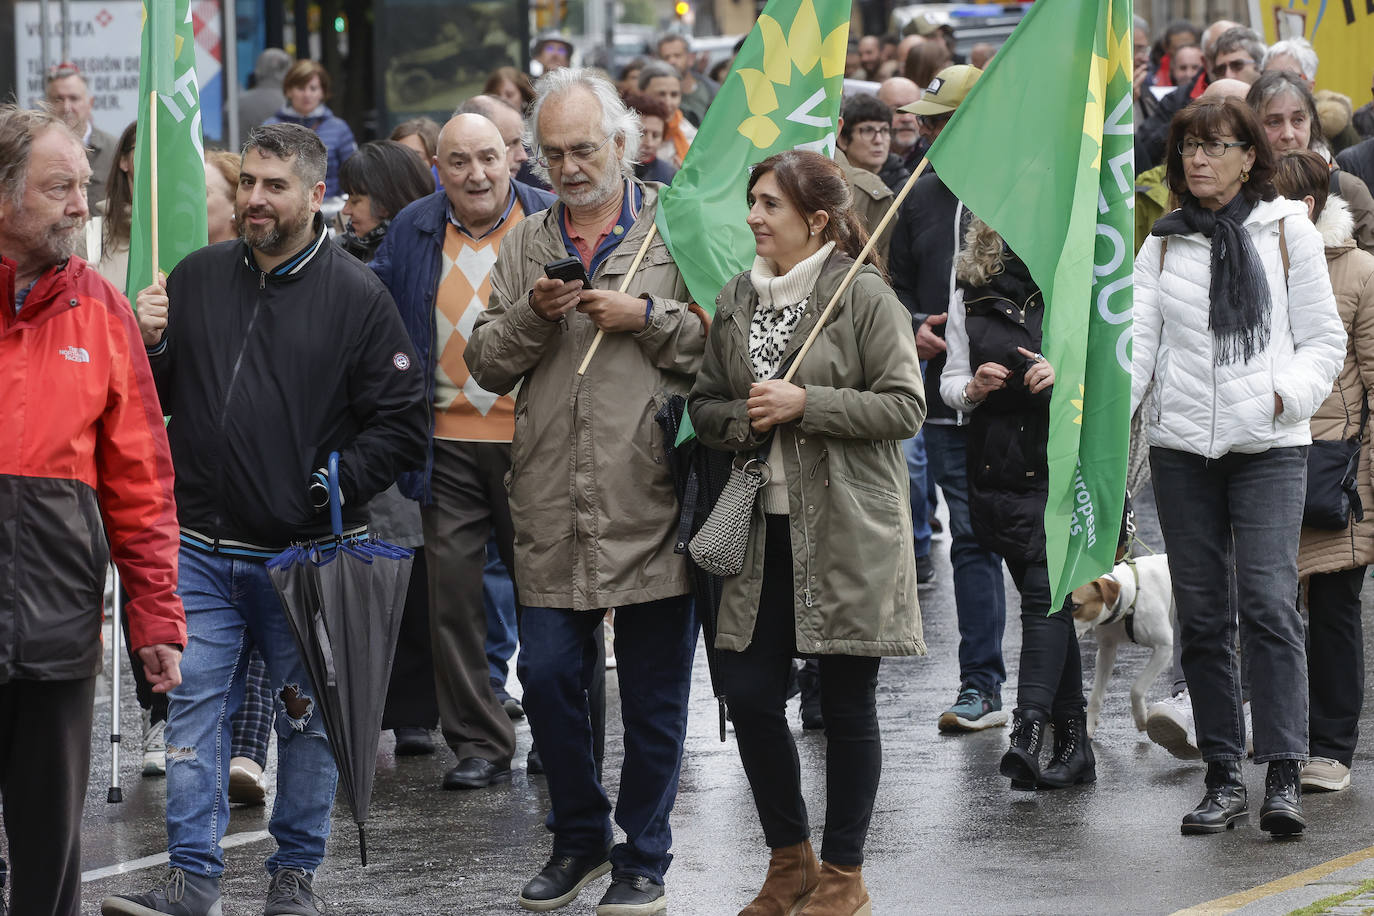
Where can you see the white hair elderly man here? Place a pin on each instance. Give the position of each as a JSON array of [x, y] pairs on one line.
[[591, 498]]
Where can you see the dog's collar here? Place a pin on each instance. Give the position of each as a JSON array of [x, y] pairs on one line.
[[1127, 612]]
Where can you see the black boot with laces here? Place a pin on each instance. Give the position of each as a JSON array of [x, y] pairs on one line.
[[1281, 813], [1021, 762], [1224, 805], [1073, 761]]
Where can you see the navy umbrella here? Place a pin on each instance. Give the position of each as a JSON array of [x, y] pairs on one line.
[[343, 598]]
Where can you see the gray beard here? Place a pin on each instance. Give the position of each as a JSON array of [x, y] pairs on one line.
[[595, 195], [276, 240]]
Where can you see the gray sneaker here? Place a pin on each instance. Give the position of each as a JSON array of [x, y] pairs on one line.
[[181, 894], [290, 894]]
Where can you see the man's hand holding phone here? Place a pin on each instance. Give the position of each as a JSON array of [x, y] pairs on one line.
[[558, 292]]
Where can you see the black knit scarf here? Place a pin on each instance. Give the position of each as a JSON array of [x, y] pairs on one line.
[[1240, 303]]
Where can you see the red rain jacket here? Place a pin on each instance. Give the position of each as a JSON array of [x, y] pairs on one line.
[[83, 455]]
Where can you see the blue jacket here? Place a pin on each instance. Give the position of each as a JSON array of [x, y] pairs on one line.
[[408, 263], [334, 134]]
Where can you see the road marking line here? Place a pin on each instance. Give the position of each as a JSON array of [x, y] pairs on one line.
[[122, 868], [1234, 902]]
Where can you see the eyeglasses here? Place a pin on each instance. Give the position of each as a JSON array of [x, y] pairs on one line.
[[1214, 149], [869, 131], [582, 153], [1238, 65]]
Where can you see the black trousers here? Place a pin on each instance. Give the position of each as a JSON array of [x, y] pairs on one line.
[[43, 792], [1051, 678], [410, 701], [1335, 663], [755, 682]]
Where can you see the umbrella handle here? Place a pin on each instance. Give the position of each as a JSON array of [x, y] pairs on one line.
[[335, 497]]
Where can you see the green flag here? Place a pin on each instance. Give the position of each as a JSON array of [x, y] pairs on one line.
[[1041, 150], [167, 67], [782, 93]]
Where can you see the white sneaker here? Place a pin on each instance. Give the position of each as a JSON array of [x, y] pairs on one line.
[[1325, 774], [154, 747], [246, 783], [1169, 723]]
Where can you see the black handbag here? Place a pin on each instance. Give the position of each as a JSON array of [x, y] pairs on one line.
[[1332, 471]]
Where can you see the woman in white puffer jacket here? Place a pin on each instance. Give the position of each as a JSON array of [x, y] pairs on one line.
[[1236, 325]]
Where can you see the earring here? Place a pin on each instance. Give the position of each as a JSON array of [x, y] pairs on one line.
[[813, 231], [1244, 176]]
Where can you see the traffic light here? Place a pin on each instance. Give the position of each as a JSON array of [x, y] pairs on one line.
[[683, 9]]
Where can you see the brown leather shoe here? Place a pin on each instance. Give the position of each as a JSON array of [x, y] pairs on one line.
[[841, 892], [792, 875]]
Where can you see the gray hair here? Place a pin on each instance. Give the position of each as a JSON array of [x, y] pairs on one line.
[[617, 120], [270, 68], [1300, 49], [290, 142], [656, 69], [1240, 39], [1140, 23], [18, 128]]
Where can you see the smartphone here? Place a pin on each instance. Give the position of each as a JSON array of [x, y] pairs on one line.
[[568, 270]]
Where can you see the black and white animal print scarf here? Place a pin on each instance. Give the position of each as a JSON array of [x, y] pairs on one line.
[[782, 302]]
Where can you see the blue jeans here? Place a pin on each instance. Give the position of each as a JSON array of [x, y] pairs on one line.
[[498, 597], [654, 645], [916, 463], [1251, 505], [231, 606], [980, 598]]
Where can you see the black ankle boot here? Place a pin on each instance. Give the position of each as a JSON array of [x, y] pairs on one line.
[[1224, 805], [1281, 813], [1073, 761], [1021, 762]]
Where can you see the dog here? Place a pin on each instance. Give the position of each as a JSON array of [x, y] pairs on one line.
[[1134, 602]]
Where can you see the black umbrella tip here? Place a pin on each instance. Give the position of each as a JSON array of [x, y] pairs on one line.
[[362, 844]]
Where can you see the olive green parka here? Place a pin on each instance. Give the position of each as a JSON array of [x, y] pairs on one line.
[[854, 571]]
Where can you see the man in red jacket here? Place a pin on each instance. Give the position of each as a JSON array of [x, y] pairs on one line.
[[83, 458]]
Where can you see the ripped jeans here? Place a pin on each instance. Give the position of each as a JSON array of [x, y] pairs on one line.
[[231, 606]]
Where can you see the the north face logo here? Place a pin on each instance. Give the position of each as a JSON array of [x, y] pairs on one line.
[[75, 354]]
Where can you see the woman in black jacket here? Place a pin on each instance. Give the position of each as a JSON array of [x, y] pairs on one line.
[[995, 326], [379, 180]]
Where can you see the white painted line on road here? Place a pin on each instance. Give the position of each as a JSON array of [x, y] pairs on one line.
[[123, 868]]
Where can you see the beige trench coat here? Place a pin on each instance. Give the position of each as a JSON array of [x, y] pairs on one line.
[[591, 497], [1352, 280]]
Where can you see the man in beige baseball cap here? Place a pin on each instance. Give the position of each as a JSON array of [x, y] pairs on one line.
[[945, 92]]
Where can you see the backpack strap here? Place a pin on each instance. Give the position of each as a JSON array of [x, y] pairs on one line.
[[1163, 247]]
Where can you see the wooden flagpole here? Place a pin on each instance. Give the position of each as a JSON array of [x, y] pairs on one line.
[[854, 268], [624, 285]]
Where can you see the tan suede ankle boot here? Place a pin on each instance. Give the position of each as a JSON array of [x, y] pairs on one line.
[[792, 876], [841, 892]]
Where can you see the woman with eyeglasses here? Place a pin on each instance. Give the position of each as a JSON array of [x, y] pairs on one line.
[[1287, 110], [1236, 325]]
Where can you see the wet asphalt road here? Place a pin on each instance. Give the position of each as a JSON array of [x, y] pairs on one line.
[[948, 835]]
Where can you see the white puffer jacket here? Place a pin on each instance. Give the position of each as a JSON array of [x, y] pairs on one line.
[[1210, 410]]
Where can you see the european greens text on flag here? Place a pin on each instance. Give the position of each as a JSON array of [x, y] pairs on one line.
[[782, 93], [1043, 154], [167, 66]]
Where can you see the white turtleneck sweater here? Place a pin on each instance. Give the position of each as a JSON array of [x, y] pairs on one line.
[[782, 302]]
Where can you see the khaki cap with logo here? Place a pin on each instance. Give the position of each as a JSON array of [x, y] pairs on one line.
[[946, 91]]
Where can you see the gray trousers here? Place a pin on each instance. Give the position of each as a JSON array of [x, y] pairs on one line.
[[1246, 506], [468, 483]]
